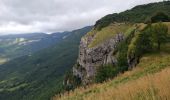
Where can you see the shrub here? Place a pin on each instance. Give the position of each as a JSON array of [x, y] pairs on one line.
[[105, 72], [71, 81], [122, 63]]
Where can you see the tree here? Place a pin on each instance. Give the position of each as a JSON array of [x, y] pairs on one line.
[[160, 17], [157, 17], [159, 34]]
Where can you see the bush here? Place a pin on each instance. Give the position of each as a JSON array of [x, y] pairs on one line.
[[122, 63], [71, 81], [105, 72]]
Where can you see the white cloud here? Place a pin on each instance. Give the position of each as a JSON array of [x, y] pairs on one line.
[[23, 16]]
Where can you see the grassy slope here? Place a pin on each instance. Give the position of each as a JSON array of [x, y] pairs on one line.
[[110, 31], [142, 83], [107, 33]]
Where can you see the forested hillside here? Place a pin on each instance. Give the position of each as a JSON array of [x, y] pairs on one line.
[[39, 76], [137, 14]]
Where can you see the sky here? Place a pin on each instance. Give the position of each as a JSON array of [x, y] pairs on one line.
[[27, 16]]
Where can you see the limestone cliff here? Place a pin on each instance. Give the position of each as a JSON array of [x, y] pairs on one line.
[[90, 58]]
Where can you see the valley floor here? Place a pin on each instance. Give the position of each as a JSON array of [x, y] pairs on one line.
[[150, 80]]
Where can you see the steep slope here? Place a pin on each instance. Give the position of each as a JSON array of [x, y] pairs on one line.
[[110, 44], [97, 48], [39, 76], [115, 46], [148, 81]]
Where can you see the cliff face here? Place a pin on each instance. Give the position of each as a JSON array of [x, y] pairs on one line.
[[90, 58]]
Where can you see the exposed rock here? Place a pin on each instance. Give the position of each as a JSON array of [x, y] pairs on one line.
[[91, 58]]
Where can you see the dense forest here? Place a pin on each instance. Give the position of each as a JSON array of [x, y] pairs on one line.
[[137, 14]]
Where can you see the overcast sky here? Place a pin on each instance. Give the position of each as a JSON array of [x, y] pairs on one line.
[[25, 16]]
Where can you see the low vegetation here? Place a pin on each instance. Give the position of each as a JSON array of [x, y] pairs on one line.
[[149, 81], [129, 51], [107, 33], [105, 72]]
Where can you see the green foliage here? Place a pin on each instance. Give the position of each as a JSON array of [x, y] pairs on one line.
[[40, 76], [135, 15], [71, 81], [122, 57], [122, 63], [159, 34], [105, 21], [138, 45], [141, 43], [105, 72], [158, 17]]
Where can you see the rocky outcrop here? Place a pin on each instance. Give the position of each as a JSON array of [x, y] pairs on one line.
[[91, 58]]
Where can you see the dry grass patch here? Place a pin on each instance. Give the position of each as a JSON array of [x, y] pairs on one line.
[[150, 87]]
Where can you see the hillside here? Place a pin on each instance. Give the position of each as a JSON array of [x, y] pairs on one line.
[[119, 44], [137, 14], [148, 81], [127, 51], [39, 76]]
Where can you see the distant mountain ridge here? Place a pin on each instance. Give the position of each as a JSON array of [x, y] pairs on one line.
[[13, 46]]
